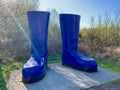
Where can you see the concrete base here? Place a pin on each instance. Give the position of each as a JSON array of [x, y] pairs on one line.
[[61, 77]]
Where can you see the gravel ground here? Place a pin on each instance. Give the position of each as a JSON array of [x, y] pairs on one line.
[[60, 77]]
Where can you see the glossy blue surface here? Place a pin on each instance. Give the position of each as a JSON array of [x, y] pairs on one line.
[[35, 67], [69, 24]]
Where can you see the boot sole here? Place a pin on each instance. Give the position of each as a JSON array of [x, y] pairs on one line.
[[29, 80], [81, 69]]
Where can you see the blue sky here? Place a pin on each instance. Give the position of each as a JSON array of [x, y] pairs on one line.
[[85, 8]]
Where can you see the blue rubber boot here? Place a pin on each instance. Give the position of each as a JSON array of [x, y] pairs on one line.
[[69, 24], [35, 68]]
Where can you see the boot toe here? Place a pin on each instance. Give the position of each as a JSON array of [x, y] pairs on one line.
[[32, 71], [87, 64], [79, 61]]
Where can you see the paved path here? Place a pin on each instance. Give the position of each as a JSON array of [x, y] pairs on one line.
[[61, 77]]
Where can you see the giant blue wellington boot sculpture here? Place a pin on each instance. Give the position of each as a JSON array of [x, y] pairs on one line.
[[69, 24], [35, 68]]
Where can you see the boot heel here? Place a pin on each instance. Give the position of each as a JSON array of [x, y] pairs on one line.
[[65, 64]]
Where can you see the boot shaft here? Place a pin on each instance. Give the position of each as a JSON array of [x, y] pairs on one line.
[[69, 24], [38, 25]]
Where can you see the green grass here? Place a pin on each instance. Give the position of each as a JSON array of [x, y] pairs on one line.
[[52, 59], [2, 81], [4, 72], [109, 65], [5, 69]]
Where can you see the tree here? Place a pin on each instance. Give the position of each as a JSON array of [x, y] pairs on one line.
[[54, 40], [14, 31], [92, 32], [107, 21]]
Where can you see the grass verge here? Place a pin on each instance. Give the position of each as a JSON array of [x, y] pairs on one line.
[[111, 66], [4, 72], [52, 59], [6, 68]]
